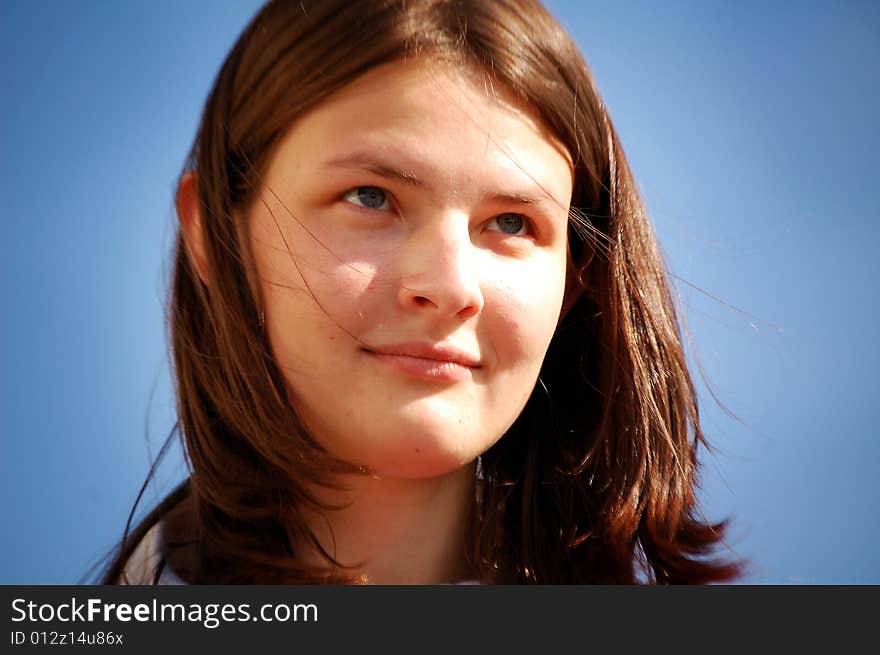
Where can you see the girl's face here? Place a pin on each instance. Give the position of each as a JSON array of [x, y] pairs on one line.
[[410, 240]]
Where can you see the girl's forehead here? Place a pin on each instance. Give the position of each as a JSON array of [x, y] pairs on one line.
[[441, 114], [393, 93]]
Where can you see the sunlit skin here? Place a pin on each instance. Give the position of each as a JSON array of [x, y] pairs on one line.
[[410, 241]]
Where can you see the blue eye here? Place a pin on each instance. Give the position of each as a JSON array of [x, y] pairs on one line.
[[509, 224], [370, 197]]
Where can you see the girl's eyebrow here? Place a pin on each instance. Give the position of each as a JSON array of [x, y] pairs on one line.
[[373, 163], [370, 162]]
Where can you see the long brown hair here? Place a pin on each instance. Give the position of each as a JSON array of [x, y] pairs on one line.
[[595, 482]]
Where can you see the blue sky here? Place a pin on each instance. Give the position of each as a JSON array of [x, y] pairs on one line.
[[751, 131]]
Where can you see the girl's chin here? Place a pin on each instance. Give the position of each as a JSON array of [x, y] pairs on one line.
[[426, 438], [418, 468], [413, 461]]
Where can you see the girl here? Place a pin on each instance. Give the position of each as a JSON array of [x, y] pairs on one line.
[[421, 329]]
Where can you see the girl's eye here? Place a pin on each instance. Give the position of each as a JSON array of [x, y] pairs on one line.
[[515, 224], [370, 197]]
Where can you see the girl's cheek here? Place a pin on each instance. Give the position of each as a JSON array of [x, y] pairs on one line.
[[531, 291], [353, 292], [523, 317]]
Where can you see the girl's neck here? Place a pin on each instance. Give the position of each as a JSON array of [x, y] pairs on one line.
[[399, 531]]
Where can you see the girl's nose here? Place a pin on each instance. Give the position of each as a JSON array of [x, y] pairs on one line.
[[440, 271]]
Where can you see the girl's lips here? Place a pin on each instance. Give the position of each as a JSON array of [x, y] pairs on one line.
[[432, 369], [432, 361]]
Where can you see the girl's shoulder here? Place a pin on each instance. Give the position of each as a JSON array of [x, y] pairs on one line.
[[147, 564]]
